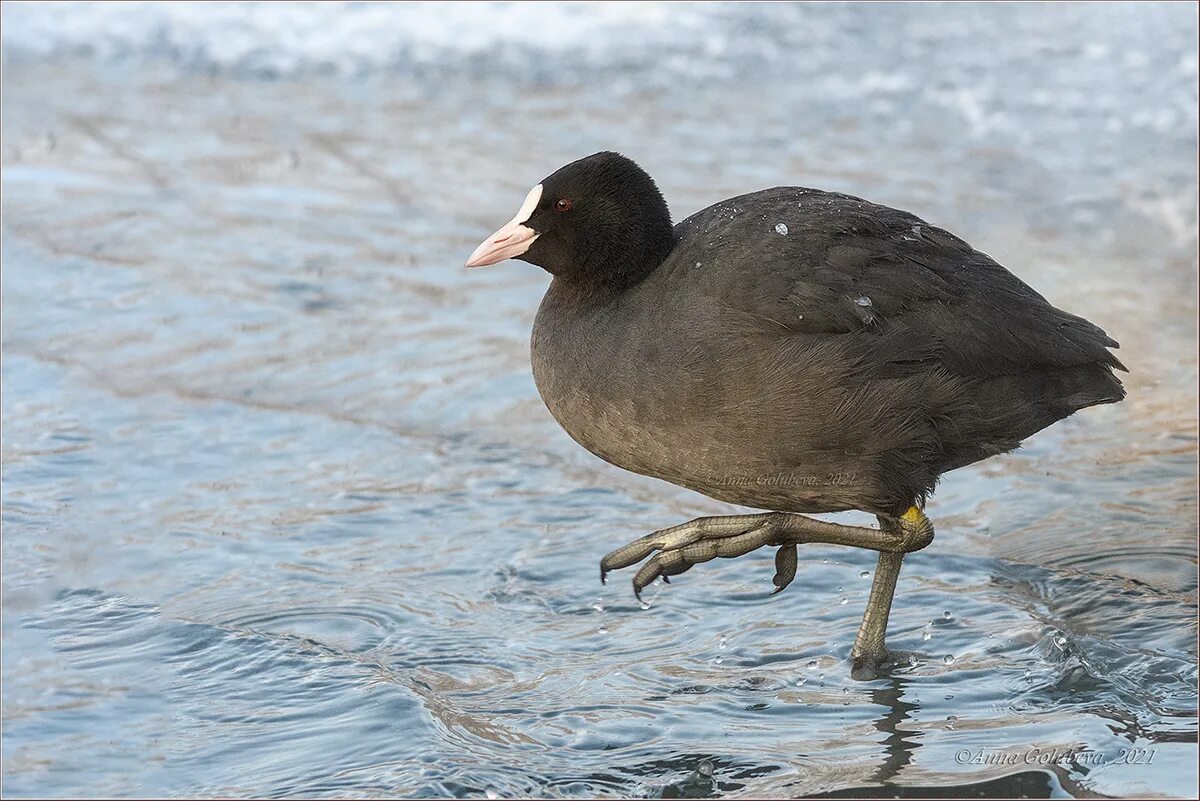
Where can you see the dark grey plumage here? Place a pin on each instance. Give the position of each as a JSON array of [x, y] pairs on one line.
[[843, 363]]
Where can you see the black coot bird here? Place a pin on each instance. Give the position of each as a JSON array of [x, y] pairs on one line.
[[792, 350]]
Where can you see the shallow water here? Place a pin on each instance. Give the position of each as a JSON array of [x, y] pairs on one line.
[[283, 514]]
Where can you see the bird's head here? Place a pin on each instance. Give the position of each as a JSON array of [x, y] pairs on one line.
[[598, 221]]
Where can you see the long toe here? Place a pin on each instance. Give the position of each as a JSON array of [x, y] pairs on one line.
[[700, 540], [680, 536], [627, 555]]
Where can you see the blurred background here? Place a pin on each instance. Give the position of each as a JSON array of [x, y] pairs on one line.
[[283, 514]]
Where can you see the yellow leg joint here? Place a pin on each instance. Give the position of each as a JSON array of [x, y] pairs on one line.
[[915, 530]]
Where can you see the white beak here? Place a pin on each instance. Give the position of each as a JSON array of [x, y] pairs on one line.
[[513, 239]]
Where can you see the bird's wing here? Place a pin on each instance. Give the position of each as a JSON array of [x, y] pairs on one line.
[[919, 293]]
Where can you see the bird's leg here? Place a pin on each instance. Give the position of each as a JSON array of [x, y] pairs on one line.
[[705, 538], [870, 657]]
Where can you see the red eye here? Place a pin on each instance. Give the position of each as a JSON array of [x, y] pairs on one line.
[[563, 205]]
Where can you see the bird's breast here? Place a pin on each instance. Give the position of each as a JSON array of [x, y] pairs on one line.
[[659, 396], [595, 379]]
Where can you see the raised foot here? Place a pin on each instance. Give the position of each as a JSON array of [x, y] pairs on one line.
[[679, 548], [701, 540]]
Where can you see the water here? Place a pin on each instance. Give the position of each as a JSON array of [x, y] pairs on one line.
[[283, 514]]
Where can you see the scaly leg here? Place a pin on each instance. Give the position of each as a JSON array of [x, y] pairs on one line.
[[681, 547], [870, 657]]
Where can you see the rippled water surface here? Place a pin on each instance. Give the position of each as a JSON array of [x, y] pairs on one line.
[[284, 515]]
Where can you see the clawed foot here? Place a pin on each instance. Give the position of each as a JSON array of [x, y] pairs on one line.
[[701, 540], [680, 547]]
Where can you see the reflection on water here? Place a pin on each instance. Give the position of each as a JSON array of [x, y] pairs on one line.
[[283, 514]]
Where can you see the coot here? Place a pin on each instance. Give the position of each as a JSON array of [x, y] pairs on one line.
[[791, 350]]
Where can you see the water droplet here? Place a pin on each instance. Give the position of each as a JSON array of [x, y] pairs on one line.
[[820, 677], [492, 794], [698, 264], [643, 604], [812, 665], [598, 606], [602, 630], [927, 635], [718, 659], [844, 601], [1061, 641], [799, 316], [863, 301], [781, 229], [840, 589], [705, 768], [948, 659], [845, 691], [947, 616], [724, 643], [865, 574], [950, 721], [801, 681]]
